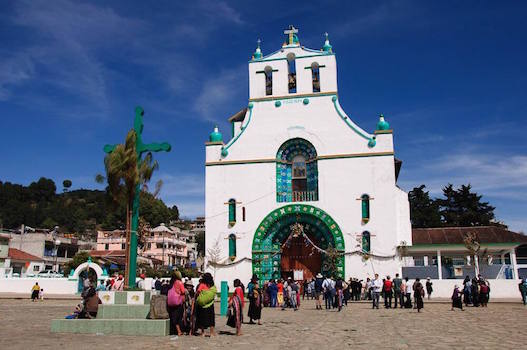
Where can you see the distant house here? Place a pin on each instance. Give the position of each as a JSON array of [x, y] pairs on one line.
[[442, 253], [22, 264]]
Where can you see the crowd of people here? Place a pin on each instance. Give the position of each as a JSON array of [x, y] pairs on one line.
[[191, 308]]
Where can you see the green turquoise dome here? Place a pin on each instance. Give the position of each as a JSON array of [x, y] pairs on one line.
[[216, 136], [382, 124]]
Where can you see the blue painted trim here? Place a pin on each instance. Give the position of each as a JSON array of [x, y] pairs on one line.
[[346, 119], [297, 57], [224, 149]]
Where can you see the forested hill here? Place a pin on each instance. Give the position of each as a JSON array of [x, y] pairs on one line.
[[79, 211]]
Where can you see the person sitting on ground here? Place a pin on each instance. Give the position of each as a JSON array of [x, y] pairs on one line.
[[91, 303], [76, 312]]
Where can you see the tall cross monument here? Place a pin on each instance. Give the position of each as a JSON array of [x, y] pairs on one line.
[[140, 148]]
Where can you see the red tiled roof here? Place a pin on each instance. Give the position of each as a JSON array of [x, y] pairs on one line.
[[454, 235], [20, 255], [107, 253]]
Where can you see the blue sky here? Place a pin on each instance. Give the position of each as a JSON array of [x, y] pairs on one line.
[[449, 76]]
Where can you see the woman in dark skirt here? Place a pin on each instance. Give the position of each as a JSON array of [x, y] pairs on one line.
[[475, 292], [255, 300], [456, 299], [205, 304], [419, 293]]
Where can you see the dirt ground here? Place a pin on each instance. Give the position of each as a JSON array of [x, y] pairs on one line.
[[26, 325]]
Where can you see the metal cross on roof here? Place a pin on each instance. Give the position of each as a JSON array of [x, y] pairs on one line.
[[291, 33]]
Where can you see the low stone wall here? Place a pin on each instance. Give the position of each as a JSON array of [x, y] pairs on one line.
[[23, 285], [499, 289]]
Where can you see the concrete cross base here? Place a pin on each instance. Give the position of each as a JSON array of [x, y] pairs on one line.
[[136, 327], [123, 312]]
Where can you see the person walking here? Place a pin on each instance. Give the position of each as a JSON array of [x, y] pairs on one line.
[[397, 294], [328, 285], [280, 293], [376, 288], [467, 291], [273, 292], [319, 280], [35, 291], [255, 300], [523, 290], [407, 294], [388, 292], [429, 288], [206, 294], [175, 307], [475, 292], [419, 294], [456, 299], [292, 291], [236, 304], [339, 288], [484, 291]]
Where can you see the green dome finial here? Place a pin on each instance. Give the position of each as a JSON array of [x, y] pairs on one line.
[[216, 136], [258, 53], [382, 124], [327, 46]]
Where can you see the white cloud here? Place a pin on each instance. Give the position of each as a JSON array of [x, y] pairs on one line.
[[219, 91], [181, 185]]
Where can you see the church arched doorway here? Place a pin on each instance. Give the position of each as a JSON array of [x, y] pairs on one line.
[[297, 238]]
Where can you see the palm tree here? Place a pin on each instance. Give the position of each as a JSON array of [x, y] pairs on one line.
[[125, 175]]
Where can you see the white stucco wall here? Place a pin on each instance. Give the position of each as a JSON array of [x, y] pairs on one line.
[[50, 285]]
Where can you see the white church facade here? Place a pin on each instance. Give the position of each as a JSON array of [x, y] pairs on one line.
[[300, 188]]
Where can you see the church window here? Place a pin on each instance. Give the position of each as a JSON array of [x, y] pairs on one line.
[[243, 213], [315, 76], [268, 80], [366, 243], [365, 204], [232, 212], [291, 68], [296, 172], [232, 246]]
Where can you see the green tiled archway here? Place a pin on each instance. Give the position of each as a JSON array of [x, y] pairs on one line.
[[273, 230]]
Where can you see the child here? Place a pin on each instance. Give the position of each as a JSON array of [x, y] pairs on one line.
[[76, 312], [41, 295]]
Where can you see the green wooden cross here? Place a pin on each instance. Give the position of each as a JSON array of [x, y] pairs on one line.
[[140, 148]]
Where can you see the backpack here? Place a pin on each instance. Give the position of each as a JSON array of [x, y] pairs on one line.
[[483, 288], [158, 307], [174, 297]]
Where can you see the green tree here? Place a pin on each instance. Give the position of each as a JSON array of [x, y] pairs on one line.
[[462, 207], [200, 240], [424, 211], [124, 173], [66, 184], [79, 258]]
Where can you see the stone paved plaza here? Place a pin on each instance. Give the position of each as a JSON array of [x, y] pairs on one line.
[[26, 325]]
